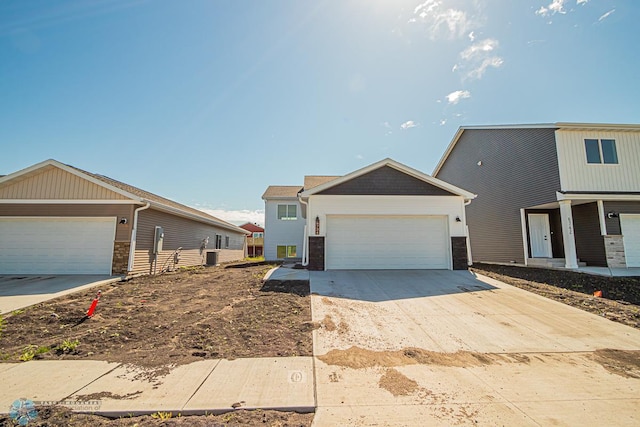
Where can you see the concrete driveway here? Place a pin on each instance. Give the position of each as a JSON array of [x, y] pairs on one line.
[[22, 291], [450, 348]]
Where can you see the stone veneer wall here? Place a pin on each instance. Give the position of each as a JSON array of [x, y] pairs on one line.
[[120, 258], [316, 253], [459, 253], [614, 249]]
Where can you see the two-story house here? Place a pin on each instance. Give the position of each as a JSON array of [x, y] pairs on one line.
[[555, 194], [383, 216]]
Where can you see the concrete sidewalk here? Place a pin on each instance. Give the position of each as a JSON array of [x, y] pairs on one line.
[[286, 272], [208, 386]]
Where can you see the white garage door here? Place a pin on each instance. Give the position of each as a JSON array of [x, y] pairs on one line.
[[387, 242], [56, 245], [630, 225]]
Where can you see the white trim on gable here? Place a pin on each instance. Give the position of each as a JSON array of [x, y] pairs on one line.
[[398, 166]]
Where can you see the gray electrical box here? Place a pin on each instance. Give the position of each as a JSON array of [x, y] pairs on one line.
[[158, 239]]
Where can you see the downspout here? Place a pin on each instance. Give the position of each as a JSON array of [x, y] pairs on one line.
[[466, 231], [134, 231], [305, 242]]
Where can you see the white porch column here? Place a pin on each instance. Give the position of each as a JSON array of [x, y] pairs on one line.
[[603, 222], [568, 236]]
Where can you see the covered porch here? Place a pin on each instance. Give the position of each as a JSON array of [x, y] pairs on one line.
[[583, 231]]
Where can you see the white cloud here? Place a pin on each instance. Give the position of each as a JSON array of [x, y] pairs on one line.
[[455, 97], [359, 156], [478, 72], [443, 122], [408, 124], [237, 217], [441, 21], [606, 15], [471, 36], [556, 6], [477, 58], [583, 2], [483, 46]]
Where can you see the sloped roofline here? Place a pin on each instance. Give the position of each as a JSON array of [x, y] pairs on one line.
[[557, 125], [398, 166], [137, 199]]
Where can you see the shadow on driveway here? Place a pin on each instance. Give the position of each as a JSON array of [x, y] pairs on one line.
[[387, 285]]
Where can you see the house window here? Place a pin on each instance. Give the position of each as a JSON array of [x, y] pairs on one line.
[[286, 252], [226, 241], [258, 235], [287, 212], [218, 241], [601, 151]]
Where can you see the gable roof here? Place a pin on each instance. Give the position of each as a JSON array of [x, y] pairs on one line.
[[282, 192], [558, 125], [136, 194], [397, 166], [311, 181], [249, 226]]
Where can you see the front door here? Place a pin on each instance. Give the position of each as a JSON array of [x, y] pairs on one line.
[[540, 235]]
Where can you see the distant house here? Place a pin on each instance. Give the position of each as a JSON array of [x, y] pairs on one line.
[[58, 219], [255, 241], [383, 216], [557, 195]]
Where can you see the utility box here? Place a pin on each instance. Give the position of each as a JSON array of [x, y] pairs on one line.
[[158, 240], [212, 258]]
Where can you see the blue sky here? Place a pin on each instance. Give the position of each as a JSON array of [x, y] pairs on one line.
[[209, 102]]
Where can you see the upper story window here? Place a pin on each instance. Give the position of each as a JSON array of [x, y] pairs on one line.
[[258, 235], [601, 151], [287, 212]]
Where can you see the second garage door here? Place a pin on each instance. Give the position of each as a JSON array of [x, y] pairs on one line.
[[387, 242], [630, 225], [56, 245]]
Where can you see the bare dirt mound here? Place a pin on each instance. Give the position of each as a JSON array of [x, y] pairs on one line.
[[625, 363], [168, 319], [358, 358], [397, 383]]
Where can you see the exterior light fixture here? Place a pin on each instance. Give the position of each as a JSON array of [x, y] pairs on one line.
[[317, 225], [123, 220], [612, 215], [458, 219]]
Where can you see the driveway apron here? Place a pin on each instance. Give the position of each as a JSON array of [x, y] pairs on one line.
[[452, 348]]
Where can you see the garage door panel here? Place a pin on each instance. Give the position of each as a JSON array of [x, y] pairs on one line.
[[56, 245], [387, 242], [630, 227]]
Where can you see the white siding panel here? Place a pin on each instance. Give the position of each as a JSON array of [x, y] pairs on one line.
[[282, 232], [577, 175]]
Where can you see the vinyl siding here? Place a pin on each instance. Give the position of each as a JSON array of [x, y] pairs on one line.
[[613, 224], [279, 232], [449, 206], [589, 241], [55, 183], [123, 231], [180, 232], [386, 181], [578, 175], [519, 170]]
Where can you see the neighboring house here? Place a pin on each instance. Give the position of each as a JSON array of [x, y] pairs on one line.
[[58, 219], [255, 241], [383, 216], [550, 194]]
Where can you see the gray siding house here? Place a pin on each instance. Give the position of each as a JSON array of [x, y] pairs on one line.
[[556, 195]]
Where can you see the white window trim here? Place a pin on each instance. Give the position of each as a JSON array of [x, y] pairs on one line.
[[287, 217]]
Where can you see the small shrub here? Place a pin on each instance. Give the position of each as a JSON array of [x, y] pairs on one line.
[[28, 353], [162, 415], [68, 346]]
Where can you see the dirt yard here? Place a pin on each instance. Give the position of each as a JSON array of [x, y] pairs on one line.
[[621, 295], [56, 416], [170, 319]]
